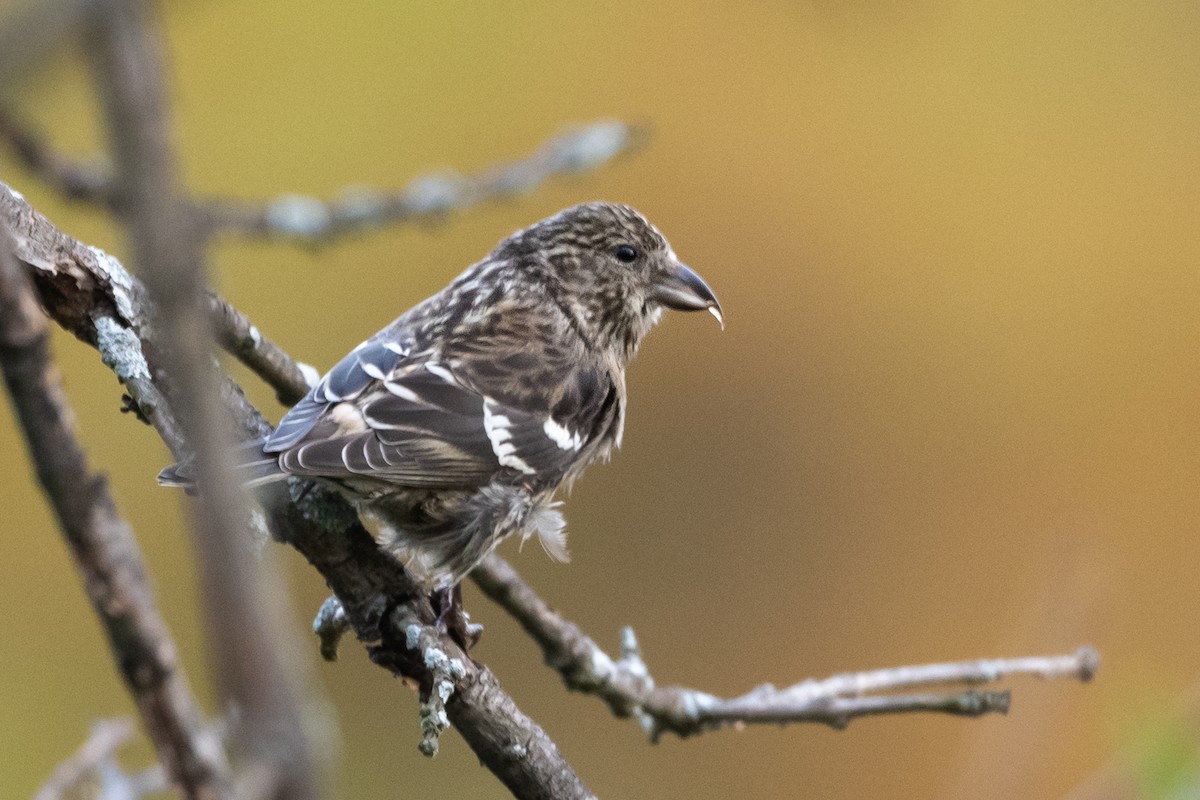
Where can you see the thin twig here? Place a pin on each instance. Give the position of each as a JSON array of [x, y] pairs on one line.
[[242, 339], [107, 736], [381, 600], [102, 543], [629, 689], [73, 180], [116, 784]]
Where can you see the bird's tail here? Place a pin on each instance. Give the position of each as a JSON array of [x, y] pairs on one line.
[[254, 468]]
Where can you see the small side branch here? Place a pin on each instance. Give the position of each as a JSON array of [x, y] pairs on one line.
[[242, 339], [627, 686], [108, 735], [71, 179], [95, 764]]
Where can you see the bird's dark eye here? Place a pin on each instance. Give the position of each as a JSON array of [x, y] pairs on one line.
[[626, 253]]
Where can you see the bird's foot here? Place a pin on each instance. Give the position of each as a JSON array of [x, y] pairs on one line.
[[453, 619]]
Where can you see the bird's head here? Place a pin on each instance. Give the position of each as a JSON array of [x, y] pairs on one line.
[[611, 270]]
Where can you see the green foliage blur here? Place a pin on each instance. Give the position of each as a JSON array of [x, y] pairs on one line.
[[953, 413]]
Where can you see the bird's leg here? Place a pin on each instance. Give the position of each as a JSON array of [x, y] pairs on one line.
[[441, 599], [452, 618]]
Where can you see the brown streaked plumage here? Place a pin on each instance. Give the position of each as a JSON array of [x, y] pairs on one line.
[[456, 424]]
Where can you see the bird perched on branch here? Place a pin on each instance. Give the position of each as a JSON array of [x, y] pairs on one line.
[[455, 425]]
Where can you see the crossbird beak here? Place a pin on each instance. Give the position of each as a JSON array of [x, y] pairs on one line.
[[683, 290]]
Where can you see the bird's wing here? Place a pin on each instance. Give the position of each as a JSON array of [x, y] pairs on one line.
[[365, 365], [444, 420]]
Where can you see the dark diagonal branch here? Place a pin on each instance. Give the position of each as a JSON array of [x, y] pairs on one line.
[[91, 295], [102, 543], [628, 688]]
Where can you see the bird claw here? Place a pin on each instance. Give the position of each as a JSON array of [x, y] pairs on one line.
[[453, 619]]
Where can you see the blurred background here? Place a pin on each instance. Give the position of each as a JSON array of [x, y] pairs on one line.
[[953, 413]]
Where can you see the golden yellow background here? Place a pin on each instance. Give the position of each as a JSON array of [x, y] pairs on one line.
[[954, 412]]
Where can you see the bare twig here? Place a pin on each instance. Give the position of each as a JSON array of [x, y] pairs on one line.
[[85, 290], [626, 685], [116, 784], [245, 626], [102, 543], [240, 337], [107, 736], [73, 180], [95, 762]]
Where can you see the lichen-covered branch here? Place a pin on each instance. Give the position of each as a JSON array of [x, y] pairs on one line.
[[428, 198], [470, 697], [79, 286], [102, 544], [310, 220], [628, 688]]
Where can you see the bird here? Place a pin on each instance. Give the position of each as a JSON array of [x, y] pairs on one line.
[[455, 426]]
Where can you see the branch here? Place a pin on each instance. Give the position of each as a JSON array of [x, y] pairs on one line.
[[90, 294], [96, 759], [106, 738], [74, 181], [429, 198], [628, 688], [246, 625], [242, 339], [33, 32], [102, 544], [305, 219]]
